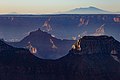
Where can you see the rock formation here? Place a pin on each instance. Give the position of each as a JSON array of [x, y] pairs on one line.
[[94, 61]]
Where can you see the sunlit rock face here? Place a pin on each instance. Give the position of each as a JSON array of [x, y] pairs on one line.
[[99, 31], [31, 48], [46, 26], [116, 19], [83, 22], [53, 45]]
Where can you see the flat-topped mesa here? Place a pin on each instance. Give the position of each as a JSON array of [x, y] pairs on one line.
[[97, 44]]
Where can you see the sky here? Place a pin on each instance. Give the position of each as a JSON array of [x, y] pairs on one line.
[[53, 6]]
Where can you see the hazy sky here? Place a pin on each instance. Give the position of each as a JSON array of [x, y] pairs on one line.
[[51, 6]]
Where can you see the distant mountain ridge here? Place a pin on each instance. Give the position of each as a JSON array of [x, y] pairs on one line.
[[64, 26], [87, 10]]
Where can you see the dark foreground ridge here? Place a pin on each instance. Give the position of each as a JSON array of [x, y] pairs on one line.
[[97, 59]]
